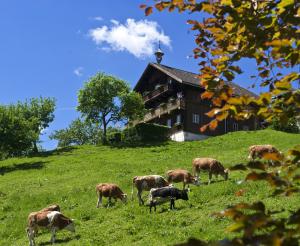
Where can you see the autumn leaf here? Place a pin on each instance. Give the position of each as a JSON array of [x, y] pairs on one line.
[[148, 11], [207, 95], [203, 128], [235, 227], [213, 124]]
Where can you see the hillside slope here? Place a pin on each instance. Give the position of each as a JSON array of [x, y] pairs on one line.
[[68, 178]]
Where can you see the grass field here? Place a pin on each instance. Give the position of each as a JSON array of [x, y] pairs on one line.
[[68, 178]]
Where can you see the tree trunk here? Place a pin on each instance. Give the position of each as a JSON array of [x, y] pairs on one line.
[[35, 148], [104, 139]]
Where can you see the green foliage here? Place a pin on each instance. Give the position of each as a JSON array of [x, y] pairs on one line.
[[78, 133], [105, 99], [21, 125], [68, 177], [41, 111], [132, 106], [17, 133], [152, 132], [145, 132], [291, 126]]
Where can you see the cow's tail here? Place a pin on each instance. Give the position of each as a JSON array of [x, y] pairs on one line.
[[133, 183]]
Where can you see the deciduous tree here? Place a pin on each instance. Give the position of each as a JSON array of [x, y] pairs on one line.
[[105, 99]]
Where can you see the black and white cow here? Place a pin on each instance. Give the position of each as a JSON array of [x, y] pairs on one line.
[[164, 194]]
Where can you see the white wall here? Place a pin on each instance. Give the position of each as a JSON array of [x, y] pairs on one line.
[[182, 136]]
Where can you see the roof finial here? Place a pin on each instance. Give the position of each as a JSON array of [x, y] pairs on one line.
[[159, 54]]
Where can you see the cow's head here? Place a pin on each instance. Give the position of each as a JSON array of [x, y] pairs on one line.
[[184, 195], [70, 226], [225, 174], [195, 181], [124, 198]]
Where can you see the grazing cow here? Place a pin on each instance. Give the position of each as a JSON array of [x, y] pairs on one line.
[[147, 183], [53, 220], [53, 207], [211, 165], [110, 191], [181, 175], [258, 151], [164, 194], [50, 208]]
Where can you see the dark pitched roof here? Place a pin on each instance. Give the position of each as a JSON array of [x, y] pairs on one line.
[[191, 78]]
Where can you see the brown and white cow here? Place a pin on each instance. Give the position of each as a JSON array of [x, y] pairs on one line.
[[212, 166], [146, 183], [258, 151], [53, 207], [181, 175], [53, 220], [110, 191]]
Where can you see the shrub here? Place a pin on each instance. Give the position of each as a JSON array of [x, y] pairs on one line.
[[152, 132], [145, 132], [291, 126]]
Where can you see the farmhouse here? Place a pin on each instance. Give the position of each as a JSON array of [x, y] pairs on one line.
[[172, 98]]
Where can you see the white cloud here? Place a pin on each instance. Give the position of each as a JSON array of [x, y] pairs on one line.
[[98, 18], [78, 71], [139, 38], [115, 22]]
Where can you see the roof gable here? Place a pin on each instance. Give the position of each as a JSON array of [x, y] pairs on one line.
[[190, 78]]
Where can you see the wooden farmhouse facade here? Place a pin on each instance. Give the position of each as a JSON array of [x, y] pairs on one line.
[[172, 98]]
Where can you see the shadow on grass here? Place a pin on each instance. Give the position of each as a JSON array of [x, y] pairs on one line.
[[213, 182], [54, 152], [61, 241], [23, 166], [193, 242], [139, 144]]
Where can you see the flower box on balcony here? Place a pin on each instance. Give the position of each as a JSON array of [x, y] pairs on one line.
[[163, 105]]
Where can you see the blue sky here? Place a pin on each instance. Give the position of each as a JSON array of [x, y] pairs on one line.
[[50, 48]]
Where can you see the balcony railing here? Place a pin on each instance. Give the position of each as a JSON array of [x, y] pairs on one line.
[[164, 108], [152, 94]]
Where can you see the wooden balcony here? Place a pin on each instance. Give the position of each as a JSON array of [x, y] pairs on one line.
[[164, 108], [157, 92]]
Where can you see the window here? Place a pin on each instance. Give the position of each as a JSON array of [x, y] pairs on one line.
[[169, 123], [196, 118], [178, 119]]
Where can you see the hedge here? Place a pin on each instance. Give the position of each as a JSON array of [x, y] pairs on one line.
[[146, 132]]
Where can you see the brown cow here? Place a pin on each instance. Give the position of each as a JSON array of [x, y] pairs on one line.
[[110, 191], [258, 151], [147, 183], [181, 175], [50, 208], [211, 165], [52, 220]]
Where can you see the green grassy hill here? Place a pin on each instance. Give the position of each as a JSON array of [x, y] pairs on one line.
[[68, 177]]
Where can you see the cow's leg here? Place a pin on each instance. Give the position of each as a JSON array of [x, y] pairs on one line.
[[53, 235], [197, 175], [216, 175], [139, 195], [99, 200], [109, 201], [30, 234], [209, 177], [172, 203]]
